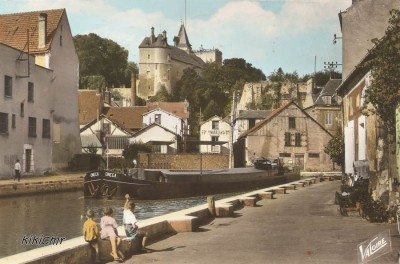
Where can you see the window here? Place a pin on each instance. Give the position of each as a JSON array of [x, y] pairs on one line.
[[285, 155], [32, 127], [61, 40], [148, 56], [288, 139], [56, 133], [117, 142], [313, 155], [3, 123], [215, 125], [30, 91], [22, 109], [327, 99], [13, 121], [157, 118], [328, 119], [297, 140], [7, 86], [106, 128], [46, 128], [156, 148], [292, 122], [214, 148]]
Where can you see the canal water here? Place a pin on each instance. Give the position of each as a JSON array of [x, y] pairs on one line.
[[63, 214]]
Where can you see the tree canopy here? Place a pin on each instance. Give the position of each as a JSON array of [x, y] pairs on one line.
[[384, 63], [101, 56]]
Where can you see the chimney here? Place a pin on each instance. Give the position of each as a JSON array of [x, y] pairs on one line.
[[42, 30], [133, 88], [152, 37], [164, 34]]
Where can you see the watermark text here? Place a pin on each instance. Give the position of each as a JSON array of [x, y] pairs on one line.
[[42, 240]]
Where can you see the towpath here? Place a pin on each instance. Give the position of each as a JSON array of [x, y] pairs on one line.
[[303, 226]]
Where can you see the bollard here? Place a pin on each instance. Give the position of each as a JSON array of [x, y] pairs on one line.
[[211, 205]]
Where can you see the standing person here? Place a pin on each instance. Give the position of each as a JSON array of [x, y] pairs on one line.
[[109, 231], [91, 233], [17, 168], [130, 223]]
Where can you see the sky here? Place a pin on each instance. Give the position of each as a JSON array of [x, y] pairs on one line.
[[296, 35]]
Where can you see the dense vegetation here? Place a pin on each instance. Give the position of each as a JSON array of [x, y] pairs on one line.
[[384, 63]]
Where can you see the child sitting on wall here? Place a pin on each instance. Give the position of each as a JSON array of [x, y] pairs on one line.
[[91, 233], [130, 223]]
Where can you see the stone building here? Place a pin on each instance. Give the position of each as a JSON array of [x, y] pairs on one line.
[[162, 65], [47, 36], [363, 21], [326, 108], [289, 133]]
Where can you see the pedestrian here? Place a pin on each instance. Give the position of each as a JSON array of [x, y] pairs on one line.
[[109, 232], [17, 168], [130, 223], [134, 163], [91, 233]]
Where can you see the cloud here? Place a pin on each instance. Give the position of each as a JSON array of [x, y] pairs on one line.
[[244, 29]]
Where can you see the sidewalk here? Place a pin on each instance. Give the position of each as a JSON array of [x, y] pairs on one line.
[[41, 184], [44, 178], [303, 226]]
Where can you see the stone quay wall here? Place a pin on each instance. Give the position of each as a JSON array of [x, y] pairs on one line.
[[25, 188], [76, 250]]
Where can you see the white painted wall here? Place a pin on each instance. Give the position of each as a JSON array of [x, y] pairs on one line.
[[63, 60], [349, 143], [16, 143], [168, 120], [207, 132], [156, 133]]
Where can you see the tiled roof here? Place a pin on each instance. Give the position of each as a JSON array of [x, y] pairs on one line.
[[14, 27], [128, 117], [176, 108], [90, 106]]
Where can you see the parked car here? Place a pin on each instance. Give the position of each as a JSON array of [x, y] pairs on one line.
[[266, 163]]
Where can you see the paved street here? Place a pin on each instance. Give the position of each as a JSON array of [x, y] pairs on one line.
[[303, 226]]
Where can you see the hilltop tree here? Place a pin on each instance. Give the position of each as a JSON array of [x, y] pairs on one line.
[[101, 56]]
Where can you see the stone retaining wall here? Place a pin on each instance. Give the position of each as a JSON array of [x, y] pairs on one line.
[[21, 188], [78, 251]]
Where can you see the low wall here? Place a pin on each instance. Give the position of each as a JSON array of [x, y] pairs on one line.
[[21, 188], [78, 251]]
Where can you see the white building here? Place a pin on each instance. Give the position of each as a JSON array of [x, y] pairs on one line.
[[162, 139], [50, 41], [214, 136], [105, 134], [26, 114], [165, 119]]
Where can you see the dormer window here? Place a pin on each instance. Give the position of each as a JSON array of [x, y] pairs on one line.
[[327, 99]]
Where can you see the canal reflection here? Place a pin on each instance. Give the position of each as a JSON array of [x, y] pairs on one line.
[[63, 214]]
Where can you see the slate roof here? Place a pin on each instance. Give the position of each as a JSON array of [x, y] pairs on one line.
[[13, 29], [328, 90], [90, 106], [276, 112], [253, 114]]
